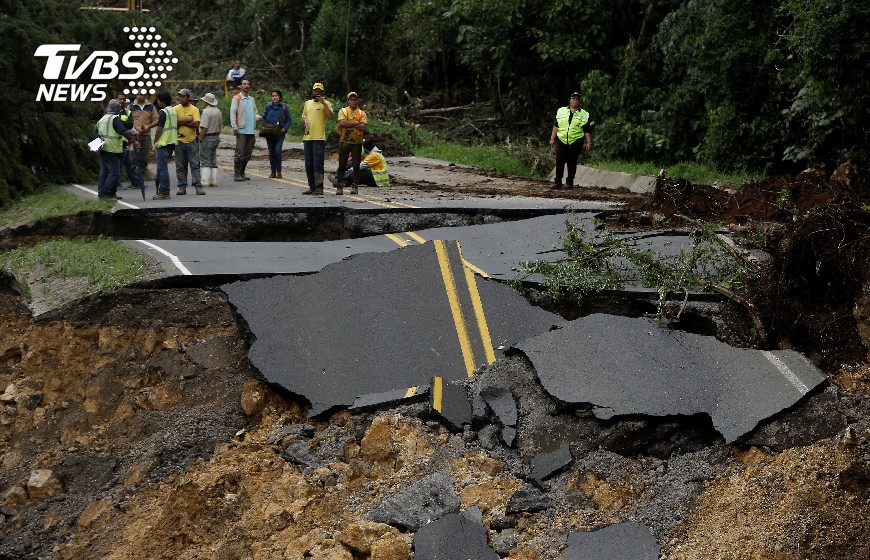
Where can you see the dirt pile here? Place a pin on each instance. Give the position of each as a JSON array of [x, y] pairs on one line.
[[677, 202]]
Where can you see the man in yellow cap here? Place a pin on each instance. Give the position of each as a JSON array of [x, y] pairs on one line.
[[314, 115], [352, 125]]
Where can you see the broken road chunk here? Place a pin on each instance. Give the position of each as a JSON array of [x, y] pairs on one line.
[[547, 465], [528, 499], [624, 366], [613, 542], [457, 536], [351, 334], [450, 402]]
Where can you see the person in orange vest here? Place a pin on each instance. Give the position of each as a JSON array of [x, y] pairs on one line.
[[352, 125]]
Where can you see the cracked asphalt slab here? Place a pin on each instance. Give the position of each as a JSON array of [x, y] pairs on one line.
[[623, 366], [495, 250], [380, 323], [620, 541]]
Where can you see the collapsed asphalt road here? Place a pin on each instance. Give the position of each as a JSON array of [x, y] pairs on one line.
[[410, 323]]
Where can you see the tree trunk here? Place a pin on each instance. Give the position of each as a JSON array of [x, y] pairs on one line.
[[346, 47]]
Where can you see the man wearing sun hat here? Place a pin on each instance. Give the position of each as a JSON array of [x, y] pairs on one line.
[[315, 112], [187, 149], [209, 137], [352, 125]]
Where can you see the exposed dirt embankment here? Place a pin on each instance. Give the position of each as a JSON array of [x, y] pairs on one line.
[[112, 396], [151, 438]]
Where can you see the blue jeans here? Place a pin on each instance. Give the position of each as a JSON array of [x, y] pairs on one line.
[[163, 153], [110, 170], [138, 178], [187, 154], [313, 160], [275, 147], [128, 166]]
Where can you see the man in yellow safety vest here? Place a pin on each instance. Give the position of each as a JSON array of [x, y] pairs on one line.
[[113, 133]]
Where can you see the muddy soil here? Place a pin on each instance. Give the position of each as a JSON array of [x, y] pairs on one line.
[[133, 426]]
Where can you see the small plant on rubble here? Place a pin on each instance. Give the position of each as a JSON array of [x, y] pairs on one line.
[[595, 261], [587, 267]]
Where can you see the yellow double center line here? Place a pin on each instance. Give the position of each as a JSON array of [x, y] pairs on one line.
[[451, 287]]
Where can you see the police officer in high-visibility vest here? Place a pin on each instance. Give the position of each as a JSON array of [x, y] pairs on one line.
[[113, 132], [570, 128]]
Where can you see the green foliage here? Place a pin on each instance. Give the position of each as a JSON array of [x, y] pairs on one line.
[[830, 47], [595, 262], [46, 141], [736, 85], [495, 158], [102, 263]]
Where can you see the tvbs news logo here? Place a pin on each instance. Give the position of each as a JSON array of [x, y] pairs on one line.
[[143, 69]]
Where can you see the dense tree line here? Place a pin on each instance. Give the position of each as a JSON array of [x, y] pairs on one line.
[[45, 142], [757, 85], [760, 85]]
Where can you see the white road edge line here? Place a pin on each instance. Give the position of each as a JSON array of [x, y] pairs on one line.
[[788, 373], [175, 260], [87, 190]]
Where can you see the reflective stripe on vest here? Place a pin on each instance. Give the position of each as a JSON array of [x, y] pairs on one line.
[[380, 175], [124, 116], [107, 132], [169, 136], [569, 134]]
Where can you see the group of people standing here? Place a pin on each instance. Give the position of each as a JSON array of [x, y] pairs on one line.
[[194, 139], [180, 130]]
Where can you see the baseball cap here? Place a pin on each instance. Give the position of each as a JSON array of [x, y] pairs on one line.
[[352, 94], [187, 92], [575, 94], [317, 85]]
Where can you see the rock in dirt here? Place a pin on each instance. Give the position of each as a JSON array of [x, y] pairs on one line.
[[429, 498], [528, 499], [13, 497], [43, 484], [361, 535], [299, 453], [253, 398]]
